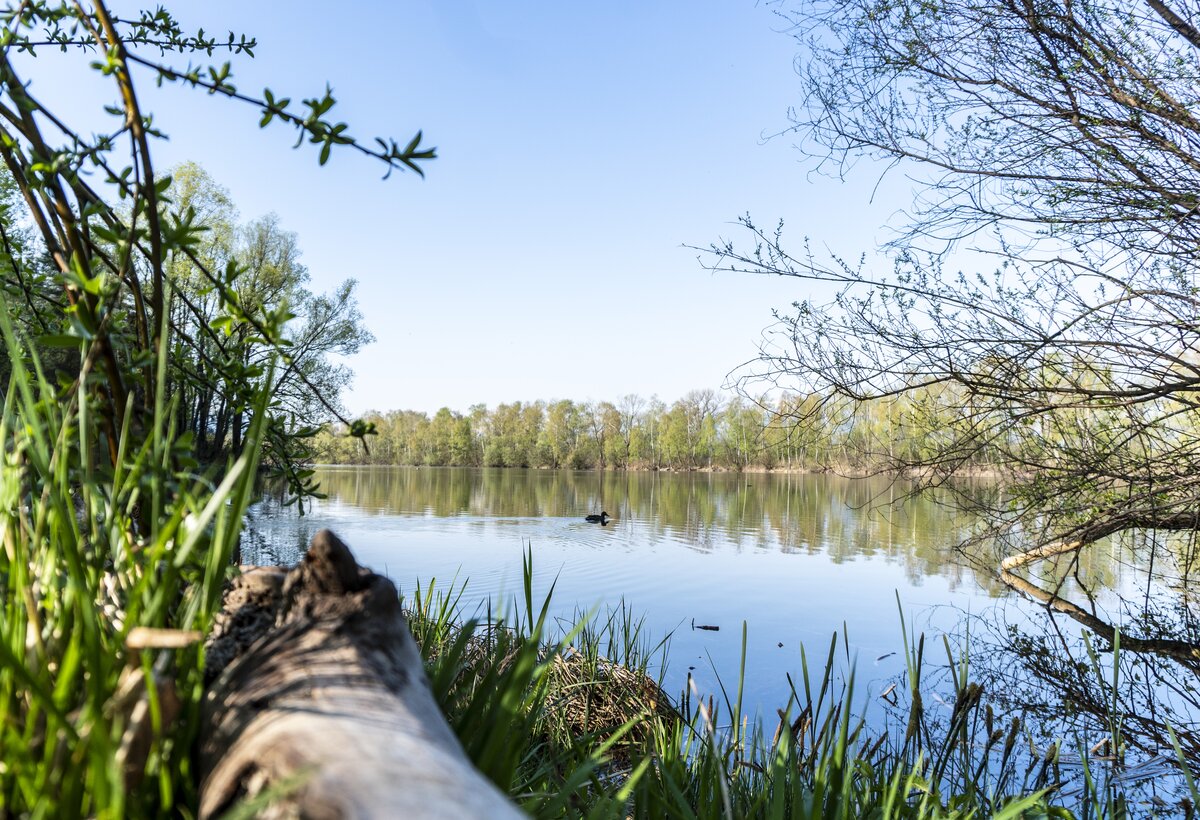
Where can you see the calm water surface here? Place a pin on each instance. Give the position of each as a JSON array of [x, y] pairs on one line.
[[795, 558]]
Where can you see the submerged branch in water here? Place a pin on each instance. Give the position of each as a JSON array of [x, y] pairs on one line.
[[1184, 651]]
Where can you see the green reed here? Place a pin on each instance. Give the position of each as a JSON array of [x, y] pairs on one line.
[[98, 715], [705, 758]]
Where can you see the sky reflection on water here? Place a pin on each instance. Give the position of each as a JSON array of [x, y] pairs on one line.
[[797, 558]]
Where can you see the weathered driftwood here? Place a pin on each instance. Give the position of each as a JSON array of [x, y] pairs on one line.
[[319, 694]]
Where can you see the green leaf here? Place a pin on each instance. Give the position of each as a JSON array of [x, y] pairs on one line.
[[59, 340]]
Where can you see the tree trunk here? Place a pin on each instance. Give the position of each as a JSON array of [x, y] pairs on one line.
[[204, 408], [320, 695], [218, 440], [236, 428]]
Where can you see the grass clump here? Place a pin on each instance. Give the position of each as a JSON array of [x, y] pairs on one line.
[[569, 720], [110, 573]]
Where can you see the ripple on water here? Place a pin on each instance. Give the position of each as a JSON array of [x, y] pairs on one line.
[[796, 558]]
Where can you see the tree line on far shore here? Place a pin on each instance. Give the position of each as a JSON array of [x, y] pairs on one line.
[[702, 430]]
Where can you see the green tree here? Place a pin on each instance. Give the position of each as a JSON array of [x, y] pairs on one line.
[[463, 450], [630, 409], [217, 371], [602, 423], [647, 442], [1064, 140], [615, 452], [513, 433], [327, 325], [110, 522], [559, 438], [740, 432], [441, 436], [676, 439]]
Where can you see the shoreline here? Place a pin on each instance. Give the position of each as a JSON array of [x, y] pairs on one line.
[[980, 473]]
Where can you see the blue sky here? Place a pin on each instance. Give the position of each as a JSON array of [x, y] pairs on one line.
[[581, 147]]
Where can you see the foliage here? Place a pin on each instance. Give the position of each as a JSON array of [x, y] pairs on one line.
[[98, 714], [269, 278], [1060, 138], [130, 274], [698, 431], [114, 318]]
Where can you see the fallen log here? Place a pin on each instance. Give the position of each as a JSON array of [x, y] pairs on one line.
[[318, 699]]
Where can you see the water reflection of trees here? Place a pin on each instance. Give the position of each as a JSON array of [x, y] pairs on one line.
[[1112, 661], [1034, 665], [845, 519], [1044, 671]]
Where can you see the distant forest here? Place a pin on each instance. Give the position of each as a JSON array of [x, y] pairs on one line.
[[703, 430]]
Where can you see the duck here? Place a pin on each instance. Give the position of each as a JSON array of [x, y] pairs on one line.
[[600, 519]]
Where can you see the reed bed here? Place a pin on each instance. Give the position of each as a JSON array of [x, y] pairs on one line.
[[109, 577], [585, 729]]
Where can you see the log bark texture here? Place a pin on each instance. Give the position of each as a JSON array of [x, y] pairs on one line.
[[318, 693]]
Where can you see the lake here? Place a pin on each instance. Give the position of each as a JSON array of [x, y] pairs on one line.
[[796, 558]]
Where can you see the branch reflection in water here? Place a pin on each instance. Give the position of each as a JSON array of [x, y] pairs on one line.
[[797, 557]]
